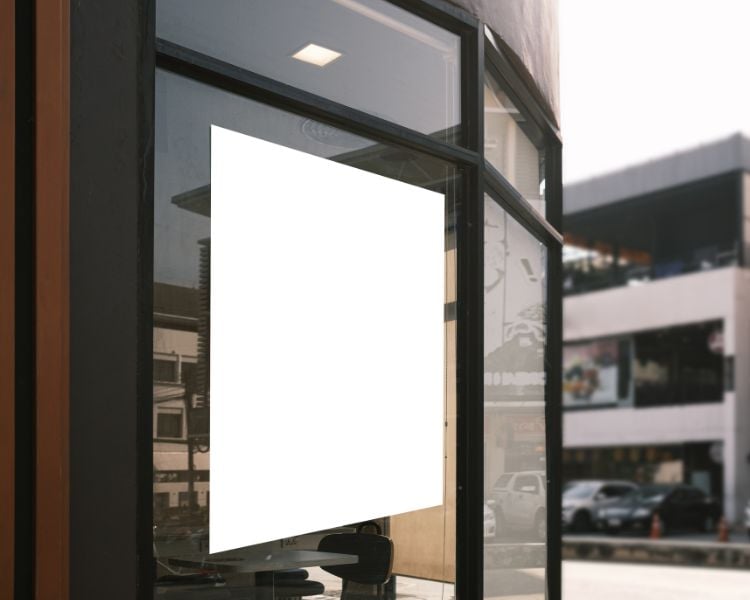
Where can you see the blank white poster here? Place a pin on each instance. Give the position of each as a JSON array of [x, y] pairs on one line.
[[327, 344]]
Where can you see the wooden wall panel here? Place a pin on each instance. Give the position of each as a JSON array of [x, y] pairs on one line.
[[52, 142], [425, 540], [7, 294]]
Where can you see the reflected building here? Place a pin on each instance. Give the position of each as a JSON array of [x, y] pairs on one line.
[[180, 461], [181, 367], [656, 325]]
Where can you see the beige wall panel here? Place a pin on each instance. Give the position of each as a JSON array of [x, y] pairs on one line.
[[425, 540]]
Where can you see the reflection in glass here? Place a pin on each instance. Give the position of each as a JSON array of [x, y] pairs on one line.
[[515, 471], [367, 54], [424, 541], [508, 145]]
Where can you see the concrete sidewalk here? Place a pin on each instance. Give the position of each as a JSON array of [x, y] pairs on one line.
[[583, 580]]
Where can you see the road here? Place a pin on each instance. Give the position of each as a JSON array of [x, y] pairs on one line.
[[617, 581]]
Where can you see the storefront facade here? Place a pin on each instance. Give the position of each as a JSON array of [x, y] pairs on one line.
[[112, 369]]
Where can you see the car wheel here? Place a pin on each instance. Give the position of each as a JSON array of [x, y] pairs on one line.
[[540, 526], [709, 524], [582, 521]]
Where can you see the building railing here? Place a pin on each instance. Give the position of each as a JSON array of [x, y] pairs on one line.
[[584, 275]]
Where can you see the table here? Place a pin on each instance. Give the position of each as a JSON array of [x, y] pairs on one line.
[[255, 572], [276, 560]]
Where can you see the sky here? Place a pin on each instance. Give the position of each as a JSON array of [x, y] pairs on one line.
[[643, 78]]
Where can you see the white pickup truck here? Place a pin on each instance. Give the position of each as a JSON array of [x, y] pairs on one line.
[[520, 503]]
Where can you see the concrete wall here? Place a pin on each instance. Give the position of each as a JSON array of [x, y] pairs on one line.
[[658, 304], [664, 173], [644, 426], [737, 425], [530, 28]]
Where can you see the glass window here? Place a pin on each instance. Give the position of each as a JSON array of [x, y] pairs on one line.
[[424, 540], [161, 502], [187, 499], [676, 365], [679, 365], [367, 54], [504, 480], [665, 234], [514, 424], [187, 372], [508, 145], [592, 267], [169, 423], [620, 490], [165, 370], [528, 484]]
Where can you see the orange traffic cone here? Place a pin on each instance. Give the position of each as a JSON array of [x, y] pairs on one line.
[[655, 533], [723, 530]]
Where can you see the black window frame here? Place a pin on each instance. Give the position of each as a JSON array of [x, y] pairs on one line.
[[115, 45]]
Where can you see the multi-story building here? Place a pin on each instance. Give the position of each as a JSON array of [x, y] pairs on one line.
[[657, 323], [181, 462]]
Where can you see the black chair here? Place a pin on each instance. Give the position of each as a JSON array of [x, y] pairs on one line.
[[294, 584], [365, 579]]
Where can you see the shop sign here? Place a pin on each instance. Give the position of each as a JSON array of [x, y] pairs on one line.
[[590, 373]]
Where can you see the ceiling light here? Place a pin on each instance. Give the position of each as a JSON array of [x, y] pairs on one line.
[[316, 55]]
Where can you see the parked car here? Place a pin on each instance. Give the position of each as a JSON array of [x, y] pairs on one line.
[[490, 523], [520, 502], [583, 499], [678, 507]]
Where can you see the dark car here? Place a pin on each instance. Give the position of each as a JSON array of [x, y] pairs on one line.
[[678, 507], [582, 500]]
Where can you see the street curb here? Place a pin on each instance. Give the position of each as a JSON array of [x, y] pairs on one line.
[[663, 552]]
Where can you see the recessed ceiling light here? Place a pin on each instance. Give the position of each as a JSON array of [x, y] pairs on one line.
[[316, 55]]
